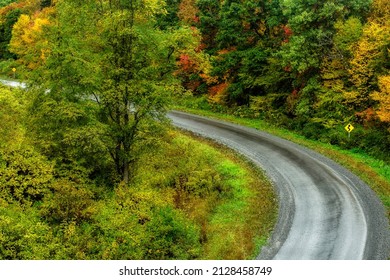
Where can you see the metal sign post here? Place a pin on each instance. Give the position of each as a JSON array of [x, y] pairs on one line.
[[349, 127]]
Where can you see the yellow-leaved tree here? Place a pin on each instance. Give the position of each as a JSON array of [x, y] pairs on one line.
[[28, 41], [383, 97], [370, 56]]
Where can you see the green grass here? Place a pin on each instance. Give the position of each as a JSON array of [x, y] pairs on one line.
[[241, 220], [374, 172]]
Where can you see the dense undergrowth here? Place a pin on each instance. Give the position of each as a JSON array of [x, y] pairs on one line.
[[187, 199], [188, 202]]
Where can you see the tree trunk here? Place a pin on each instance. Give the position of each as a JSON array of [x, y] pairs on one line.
[[126, 173]]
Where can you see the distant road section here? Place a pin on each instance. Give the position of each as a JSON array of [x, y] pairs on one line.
[[325, 211], [13, 83]]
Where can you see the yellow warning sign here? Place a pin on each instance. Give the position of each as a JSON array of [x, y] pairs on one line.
[[349, 127]]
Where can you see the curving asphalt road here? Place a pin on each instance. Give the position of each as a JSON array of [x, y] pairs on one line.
[[325, 212]]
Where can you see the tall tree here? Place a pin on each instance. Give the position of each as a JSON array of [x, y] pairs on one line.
[[370, 58], [208, 21], [312, 24], [28, 41], [8, 17], [242, 41], [383, 96], [112, 52], [311, 46]]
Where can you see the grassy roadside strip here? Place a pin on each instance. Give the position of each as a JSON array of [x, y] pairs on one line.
[[247, 216], [228, 207], [375, 173]]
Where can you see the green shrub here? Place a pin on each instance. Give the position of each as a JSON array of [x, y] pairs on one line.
[[170, 235], [313, 130], [375, 143], [68, 202], [12, 110], [25, 175], [22, 235]]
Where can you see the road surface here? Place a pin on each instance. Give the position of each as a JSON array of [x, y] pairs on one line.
[[325, 212]]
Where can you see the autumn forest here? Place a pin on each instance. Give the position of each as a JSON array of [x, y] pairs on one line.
[[90, 166]]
